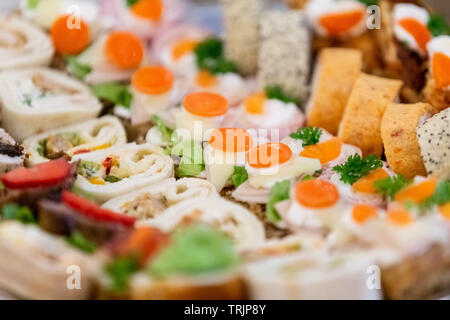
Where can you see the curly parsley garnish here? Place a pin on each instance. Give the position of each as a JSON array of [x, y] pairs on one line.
[[356, 167], [390, 186], [276, 92], [310, 136], [438, 25], [369, 2], [210, 56]]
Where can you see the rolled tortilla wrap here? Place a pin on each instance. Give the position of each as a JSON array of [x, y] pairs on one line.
[[131, 167], [84, 137], [361, 123], [27, 247], [335, 74], [11, 153], [23, 44], [398, 130], [311, 275], [36, 100], [151, 201], [232, 219]]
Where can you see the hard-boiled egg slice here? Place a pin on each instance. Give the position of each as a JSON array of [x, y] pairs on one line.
[[439, 52], [273, 162], [419, 191], [201, 111], [231, 85], [337, 18], [151, 87], [268, 113], [362, 191], [410, 26], [226, 149], [316, 204]]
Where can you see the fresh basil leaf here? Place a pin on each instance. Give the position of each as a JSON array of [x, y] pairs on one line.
[[113, 92]]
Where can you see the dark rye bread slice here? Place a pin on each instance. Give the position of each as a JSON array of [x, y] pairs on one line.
[[418, 277], [434, 141]]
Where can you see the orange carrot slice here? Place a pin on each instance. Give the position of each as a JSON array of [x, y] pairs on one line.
[[231, 140], [419, 31], [365, 184], [445, 211], [324, 151], [418, 192], [205, 104], [206, 80], [124, 49], [399, 217], [339, 23], [269, 155], [69, 39], [183, 47], [316, 194], [441, 70], [148, 9], [361, 213], [255, 103], [152, 80]]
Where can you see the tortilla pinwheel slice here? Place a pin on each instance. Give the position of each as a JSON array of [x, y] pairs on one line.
[[81, 138], [27, 247], [23, 44], [108, 173], [232, 219], [40, 99], [151, 201]]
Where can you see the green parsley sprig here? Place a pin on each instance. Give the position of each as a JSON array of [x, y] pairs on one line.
[[310, 135], [438, 25], [276, 92], [390, 186], [369, 2], [356, 167], [210, 56]]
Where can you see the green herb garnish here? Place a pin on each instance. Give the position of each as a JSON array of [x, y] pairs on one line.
[[88, 169], [195, 249], [356, 167], [276, 92], [79, 241], [390, 186], [192, 162], [42, 148], [310, 135], [112, 179], [12, 211], [369, 2], [239, 176], [166, 132], [438, 25], [113, 92], [279, 192], [308, 177], [131, 3], [119, 271], [32, 4], [78, 69], [209, 56]]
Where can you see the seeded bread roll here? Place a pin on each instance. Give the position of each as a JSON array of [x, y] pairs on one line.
[[398, 130], [434, 140], [241, 21], [361, 123], [336, 71], [284, 57], [439, 98]]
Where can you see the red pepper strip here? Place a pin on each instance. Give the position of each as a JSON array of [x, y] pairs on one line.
[[107, 163], [145, 242], [94, 211], [42, 175], [81, 151]]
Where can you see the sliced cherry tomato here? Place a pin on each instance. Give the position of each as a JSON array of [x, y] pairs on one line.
[[42, 175], [107, 163], [94, 211]]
